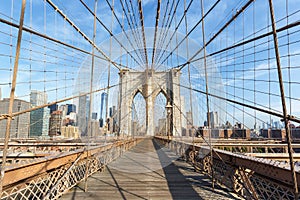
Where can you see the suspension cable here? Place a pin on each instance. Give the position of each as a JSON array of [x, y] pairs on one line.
[[167, 28], [291, 118], [155, 33], [134, 21], [143, 33], [215, 35], [162, 25], [129, 21], [206, 91], [81, 33], [179, 23], [110, 32], [192, 29]]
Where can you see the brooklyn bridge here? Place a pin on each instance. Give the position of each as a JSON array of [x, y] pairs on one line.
[[149, 99]]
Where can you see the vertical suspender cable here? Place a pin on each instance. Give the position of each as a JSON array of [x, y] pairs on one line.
[[189, 76], [143, 33], [155, 33], [108, 70], [12, 94], [285, 116], [122, 27], [254, 63], [90, 127], [119, 96], [159, 44], [206, 90], [134, 27], [289, 56]]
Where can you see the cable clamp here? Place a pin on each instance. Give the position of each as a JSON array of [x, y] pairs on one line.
[[6, 116], [289, 117]]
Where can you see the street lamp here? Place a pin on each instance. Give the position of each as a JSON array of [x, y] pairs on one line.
[[169, 111]]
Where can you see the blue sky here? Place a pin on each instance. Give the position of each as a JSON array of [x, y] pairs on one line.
[[243, 74]]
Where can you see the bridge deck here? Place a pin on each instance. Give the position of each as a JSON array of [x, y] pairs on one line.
[[148, 172]]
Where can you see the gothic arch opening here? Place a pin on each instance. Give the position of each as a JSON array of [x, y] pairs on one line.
[[138, 115], [160, 114]]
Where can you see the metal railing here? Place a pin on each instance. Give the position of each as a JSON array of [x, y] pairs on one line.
[[249, 177], [51, 177]]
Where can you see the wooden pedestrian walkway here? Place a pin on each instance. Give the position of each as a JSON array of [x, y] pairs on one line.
[[148, 171]]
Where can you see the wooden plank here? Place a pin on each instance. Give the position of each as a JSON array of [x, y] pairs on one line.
[[18, 172], [148, 172]]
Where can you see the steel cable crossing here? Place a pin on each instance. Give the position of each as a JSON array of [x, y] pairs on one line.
[[160, 39], [110, 32]]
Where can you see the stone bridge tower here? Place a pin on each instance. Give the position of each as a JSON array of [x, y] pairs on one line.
[[132, 82]]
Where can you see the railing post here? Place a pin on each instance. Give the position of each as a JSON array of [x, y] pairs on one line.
[[285, 119], [12, 94]]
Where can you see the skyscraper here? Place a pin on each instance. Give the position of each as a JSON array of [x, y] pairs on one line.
[[55, 123], [64, 110], [189, 123], [39, 119], [214, 119], [20, 125], [38, 98], [88, 102], [94, 115], [53, 108], [82, 116], [71, 108], [103, 108]]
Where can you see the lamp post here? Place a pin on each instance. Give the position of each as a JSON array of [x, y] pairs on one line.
[[169, 111]]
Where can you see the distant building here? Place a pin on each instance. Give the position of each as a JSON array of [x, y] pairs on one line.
[[183, 111], [162, 126], [189, 119], [263, 125], [39, 119], [95, 129], [112, 111], [64, 110], [71, 108], [53, 108], [70, 132], [71, 119], [278, 125], [94, 115], [88, 102], [39, 122], [38, 98], [102, 108], [82, 115], [189, 123], [55, 123], [101, 122], [20, 124], [214, 119]]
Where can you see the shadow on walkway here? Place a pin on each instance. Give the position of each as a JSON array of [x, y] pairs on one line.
[[179, 187]]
